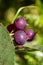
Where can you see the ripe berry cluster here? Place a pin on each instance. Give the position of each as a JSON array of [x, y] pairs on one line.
[[18, 27]]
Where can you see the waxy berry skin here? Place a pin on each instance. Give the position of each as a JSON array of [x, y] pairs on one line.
[[20, 23], [10, 27], [30, 34], [20, 37]]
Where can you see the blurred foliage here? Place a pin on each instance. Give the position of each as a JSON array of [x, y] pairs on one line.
[[8, 8]]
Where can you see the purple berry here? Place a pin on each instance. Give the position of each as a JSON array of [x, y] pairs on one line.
[[10, 27], [30, 34], [20, 23], [20, 37]]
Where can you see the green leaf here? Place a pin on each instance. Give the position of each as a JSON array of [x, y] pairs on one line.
[[6, 47]]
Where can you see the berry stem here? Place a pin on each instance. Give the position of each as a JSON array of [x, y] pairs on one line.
[[20, 9]]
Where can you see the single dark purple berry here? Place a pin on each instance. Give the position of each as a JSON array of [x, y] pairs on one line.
[[20, 37], [30, 34], [20, 23], [10, 27]]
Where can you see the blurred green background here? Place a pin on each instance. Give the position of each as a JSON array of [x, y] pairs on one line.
[[8, 9]]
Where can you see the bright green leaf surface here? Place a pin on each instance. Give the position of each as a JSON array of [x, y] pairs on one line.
[[6, 47]]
